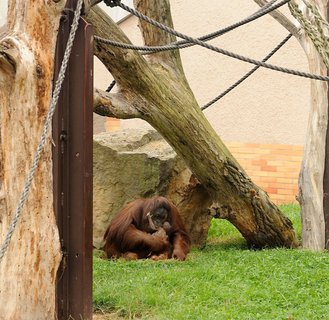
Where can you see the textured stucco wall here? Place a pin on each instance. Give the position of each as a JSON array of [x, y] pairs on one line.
[[3, 12], [269, 107]]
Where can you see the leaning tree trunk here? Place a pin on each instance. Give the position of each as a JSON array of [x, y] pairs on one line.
[[28, 269], [313, 40], [156, 90]]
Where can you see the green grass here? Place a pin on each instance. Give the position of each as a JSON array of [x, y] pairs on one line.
[[223, 281]]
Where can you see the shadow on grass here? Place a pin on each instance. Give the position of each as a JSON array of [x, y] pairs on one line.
[[226, 243], [222, 235]]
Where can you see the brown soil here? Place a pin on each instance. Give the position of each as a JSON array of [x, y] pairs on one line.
[[106, 316]]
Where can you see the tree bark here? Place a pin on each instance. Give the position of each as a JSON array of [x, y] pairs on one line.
[[161, 95], [313, 164], [28, 269], [311, 38], [312, 171]]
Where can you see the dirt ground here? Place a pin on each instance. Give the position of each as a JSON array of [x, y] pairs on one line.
[[106, 316]]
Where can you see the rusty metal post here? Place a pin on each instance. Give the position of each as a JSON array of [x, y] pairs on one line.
[[326, 173], [326, 184], [72, 158]]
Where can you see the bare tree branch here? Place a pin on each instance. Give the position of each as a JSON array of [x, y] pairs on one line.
[[153, 36], [282, 19], [117, 60], [114, 105]]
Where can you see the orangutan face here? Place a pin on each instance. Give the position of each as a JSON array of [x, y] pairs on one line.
[[157, 217]]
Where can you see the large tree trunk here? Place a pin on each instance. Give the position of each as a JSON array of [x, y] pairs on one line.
[[315, 44], [28, 269], [156, 90], [312, 171]]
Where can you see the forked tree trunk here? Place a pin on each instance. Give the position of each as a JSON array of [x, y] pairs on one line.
[[157, 91], [28, 269]]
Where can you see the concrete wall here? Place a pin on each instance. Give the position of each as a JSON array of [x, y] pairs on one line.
[[269, 107], [3, 12]]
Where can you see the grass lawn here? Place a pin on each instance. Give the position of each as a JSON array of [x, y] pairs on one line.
[[223, 281]]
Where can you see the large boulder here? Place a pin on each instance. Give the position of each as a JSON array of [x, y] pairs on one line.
[[134, 163]]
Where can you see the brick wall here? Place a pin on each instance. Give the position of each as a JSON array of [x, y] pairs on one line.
[[111, 124], [273, 167]]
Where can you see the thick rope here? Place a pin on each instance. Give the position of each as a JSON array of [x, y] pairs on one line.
[[258, 14], [184, 44], [44, 134], [313, 27], [219, 50], [247, 74], [111, 86]]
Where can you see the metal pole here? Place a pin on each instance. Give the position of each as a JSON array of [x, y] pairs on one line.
[[72, 158], [326, 174]]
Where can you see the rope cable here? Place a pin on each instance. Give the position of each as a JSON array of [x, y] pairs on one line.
[[184, 43], [111, 86], [219, 50], [233, 86], [248, 74], [267, 8], [44, 134]]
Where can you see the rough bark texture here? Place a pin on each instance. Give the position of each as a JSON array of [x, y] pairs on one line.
[[313, 164], [312, 170], [192, 201], [162, 97], [28, 269]]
